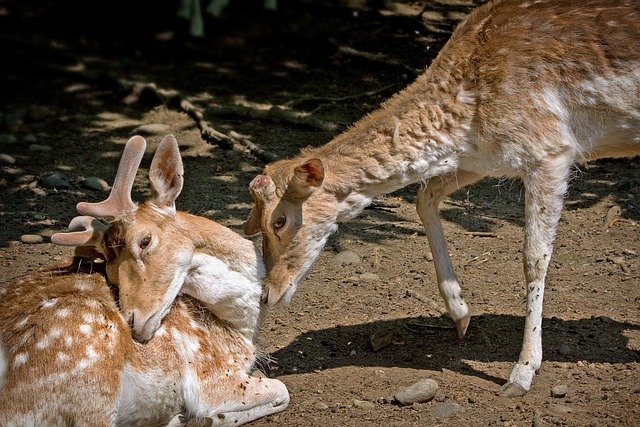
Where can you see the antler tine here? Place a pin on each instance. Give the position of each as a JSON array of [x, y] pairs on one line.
[[83, 231], [119, 201]]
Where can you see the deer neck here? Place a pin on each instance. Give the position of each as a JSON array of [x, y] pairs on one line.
[[418, 134], [226, 274]]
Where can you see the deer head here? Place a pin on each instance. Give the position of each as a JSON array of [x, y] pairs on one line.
[[147, 252]]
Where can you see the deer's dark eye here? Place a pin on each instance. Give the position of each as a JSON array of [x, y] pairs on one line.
[[280, 222], [144, 242]]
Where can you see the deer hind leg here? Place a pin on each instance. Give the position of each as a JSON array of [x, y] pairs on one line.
[[545, 188], [251, 398], [429, 199]]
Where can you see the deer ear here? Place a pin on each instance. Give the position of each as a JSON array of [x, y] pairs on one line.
[[252, 225], [307, 177], [166, 173]]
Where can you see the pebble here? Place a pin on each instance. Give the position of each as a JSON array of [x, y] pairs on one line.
[[447, 409], [96, 183], [369, 277], [559, 391], [428, 256], [7, 138], [380, 339], [363, 404], [152, 129], [564, 349], [31, 238], [39, 147], [321, 406], [347, 258], [55, 180], [6, 159], [422, 391], [38, 112]]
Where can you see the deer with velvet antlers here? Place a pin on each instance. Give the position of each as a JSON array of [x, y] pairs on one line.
[[77, 340], [523, 89]]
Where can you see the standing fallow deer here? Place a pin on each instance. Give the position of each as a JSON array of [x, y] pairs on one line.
[[523, 89], [67, 332]]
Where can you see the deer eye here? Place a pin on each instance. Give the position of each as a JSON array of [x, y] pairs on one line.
[[144, 242], [280, 222]]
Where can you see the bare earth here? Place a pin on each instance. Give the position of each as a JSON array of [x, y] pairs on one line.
[[60, 72]]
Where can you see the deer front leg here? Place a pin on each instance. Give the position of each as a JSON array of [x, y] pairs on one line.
[[428, 203], [249, 398], [545, 190]]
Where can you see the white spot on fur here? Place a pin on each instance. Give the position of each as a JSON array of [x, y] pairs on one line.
[[85, 329], [23, 321], [88, 317], [63, 313], [68, 341], [20, 359], [83, 285], [62, 357], [43, 343], [48, 303]]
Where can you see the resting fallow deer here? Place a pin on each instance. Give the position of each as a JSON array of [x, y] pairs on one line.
[[67, 331], [523, 89]]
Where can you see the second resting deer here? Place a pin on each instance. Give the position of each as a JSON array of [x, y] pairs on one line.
[[66, 332], [523, 89]]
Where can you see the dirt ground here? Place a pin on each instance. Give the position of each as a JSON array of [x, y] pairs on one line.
[[71, 97]]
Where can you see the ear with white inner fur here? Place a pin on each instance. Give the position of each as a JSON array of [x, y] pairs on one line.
[[166, 173]]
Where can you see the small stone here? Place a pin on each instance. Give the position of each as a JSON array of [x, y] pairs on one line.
[[421, 391], [30, 138], [428, 256], [369, 277], [559, 391], [321, 406], [564, 349], [31, 238], [7, 139], [152, 129], [347, 258], [446, 409], [38, 112], [380, 339], [6, 159], [40, 148], [363, 404], [55, 180], [96, 183]]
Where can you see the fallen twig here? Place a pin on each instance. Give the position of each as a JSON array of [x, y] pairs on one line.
[[481, 233]]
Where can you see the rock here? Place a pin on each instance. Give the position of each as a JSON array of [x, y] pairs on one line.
[[152, 129], [321, 406], [369, 277], [96, 183], [30, 138], [564, 409], [38, 112], [6, 159], [537, 418], [428, 256], [380, 339], [363, 404], [40, 148], [559, 391], [564, 349], [7, 139], [446, 409], [31, 238], [422, 391], [55, 180], [347, 258]]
